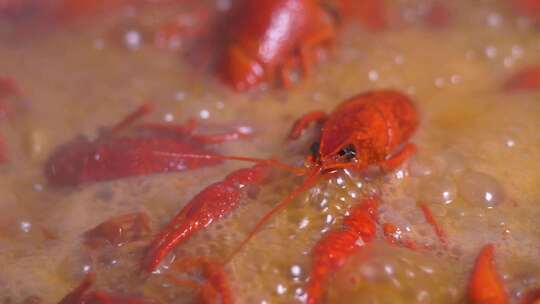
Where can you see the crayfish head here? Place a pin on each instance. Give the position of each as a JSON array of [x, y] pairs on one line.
[[67, 163], [344, 157]]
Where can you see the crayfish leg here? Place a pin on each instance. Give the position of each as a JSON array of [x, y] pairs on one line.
[[285, 71], [430, 218], [187, 128], [309, 181], [215, 283], [237, 69], [313, 40], [301, 124], [132, 117], [223, 137], [76, 296], [398, 159], [306, 54]]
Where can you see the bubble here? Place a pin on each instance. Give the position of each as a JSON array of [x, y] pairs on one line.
[[340, 182], [303, 223], [77, 266], [400, 174], [411, 90], [296, 270], [98, 44], [454, 163], [423, 296], [399, 59], [438, 210], [421, 167], [204, 114], [439, 82], [455, 79], [508, 62], [437, 190], [494, 20], [280, 289], [329, 219], [133, 40], [373, 75], [476, 187], [490, 52], [369, 272], [180, 96], [509, 142], [25, 226], [388, 269]]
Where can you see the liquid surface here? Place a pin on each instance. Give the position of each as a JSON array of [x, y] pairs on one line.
[[477, 165]]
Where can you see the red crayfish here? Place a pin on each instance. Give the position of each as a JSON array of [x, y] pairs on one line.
[[485, 284], [154, 148], [80, 295], [368, 129], [265, 38], [359, 228], [118, 230], [332, 250]]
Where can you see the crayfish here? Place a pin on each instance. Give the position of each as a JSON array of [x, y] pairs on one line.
[[331, 251], [485, 284], [153, 148], [214, 287], [118, 230], [265, 38], [368, 129], [81, 295]]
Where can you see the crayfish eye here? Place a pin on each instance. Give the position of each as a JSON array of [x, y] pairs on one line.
[[349, 152], [314, 149]]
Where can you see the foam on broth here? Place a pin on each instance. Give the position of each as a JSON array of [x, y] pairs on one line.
[[78, 78]]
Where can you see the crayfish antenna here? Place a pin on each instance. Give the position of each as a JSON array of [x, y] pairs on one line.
[[142, 110], [310, 180], [270, 162]]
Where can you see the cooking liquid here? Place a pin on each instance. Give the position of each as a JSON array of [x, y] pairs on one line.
[[477, 166]]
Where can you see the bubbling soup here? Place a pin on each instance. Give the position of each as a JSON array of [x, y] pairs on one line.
[[146, 151]]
